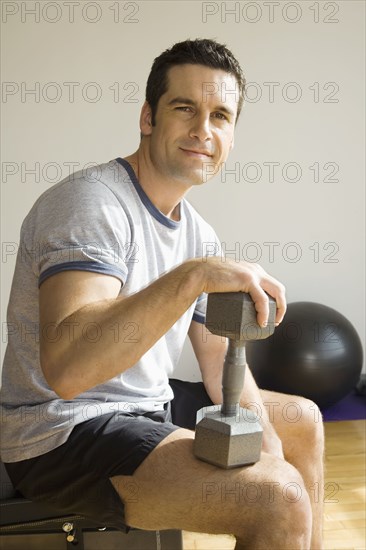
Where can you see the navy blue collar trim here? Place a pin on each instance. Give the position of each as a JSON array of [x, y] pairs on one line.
[[155, 212]]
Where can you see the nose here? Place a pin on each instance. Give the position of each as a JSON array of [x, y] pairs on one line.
[[201, 128]]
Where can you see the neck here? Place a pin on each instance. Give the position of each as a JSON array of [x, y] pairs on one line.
[[164, 193]]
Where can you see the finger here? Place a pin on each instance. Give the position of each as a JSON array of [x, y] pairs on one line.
[[281, 306], [278, 292], [261, 305]]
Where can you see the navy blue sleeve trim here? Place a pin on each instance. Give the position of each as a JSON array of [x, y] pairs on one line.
[[83, 266], [199, 318]]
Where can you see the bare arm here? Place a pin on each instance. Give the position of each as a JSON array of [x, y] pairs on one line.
[[81, 314], [74, 303]]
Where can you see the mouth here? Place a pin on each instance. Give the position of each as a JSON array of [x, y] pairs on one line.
[[197, 154]]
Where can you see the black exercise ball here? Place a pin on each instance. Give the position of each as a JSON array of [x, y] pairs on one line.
[[315, 352]]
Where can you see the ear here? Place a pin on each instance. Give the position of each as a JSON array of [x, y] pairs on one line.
[[145, 120]]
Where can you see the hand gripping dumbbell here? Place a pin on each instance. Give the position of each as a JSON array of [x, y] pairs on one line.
[[231, 436]]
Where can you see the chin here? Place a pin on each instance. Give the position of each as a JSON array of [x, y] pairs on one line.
[[194, 178]]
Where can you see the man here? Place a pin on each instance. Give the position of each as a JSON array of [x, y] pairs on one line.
[[115, 262]]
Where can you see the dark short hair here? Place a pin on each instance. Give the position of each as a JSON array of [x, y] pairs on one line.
[[201, 51]]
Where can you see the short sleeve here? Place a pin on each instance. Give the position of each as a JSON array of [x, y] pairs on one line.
[[78, 225]]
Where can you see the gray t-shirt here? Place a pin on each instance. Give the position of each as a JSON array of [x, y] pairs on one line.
[[100, 221]]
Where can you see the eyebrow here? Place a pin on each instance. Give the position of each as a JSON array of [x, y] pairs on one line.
[[187, 101]]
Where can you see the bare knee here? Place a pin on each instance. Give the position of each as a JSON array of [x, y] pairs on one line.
[[294, 516], [311, 428], [283, 515]]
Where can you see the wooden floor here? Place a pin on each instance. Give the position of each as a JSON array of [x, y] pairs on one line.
[[345, 498]]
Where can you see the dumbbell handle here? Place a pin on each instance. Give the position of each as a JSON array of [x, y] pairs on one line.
[[233, 377]]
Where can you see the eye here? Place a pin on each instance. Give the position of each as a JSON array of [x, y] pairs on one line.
[[220, 116], [184, 108]]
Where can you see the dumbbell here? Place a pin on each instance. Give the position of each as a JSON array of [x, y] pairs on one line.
[[229, 435]]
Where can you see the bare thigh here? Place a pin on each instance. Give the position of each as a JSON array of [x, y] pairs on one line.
[[172, 489]]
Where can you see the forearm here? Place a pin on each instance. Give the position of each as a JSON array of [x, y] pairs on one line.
[[75, 364], [251, 399], [74, 361]]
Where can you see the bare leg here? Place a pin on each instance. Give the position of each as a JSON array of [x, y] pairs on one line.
[[264, 505], [299, 425]]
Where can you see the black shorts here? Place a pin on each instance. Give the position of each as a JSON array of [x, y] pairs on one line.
[[74, 477]]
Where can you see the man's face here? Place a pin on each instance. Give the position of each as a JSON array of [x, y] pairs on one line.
[[194, 123]]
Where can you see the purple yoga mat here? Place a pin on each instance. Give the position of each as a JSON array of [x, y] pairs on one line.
[[351, 407]]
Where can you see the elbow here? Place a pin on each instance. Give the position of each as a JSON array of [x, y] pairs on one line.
[[65, 393], [55, 377]]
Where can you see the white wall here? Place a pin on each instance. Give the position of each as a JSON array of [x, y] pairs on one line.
[[304, 62]]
